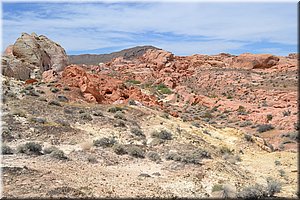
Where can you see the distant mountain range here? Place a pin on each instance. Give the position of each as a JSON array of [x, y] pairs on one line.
[[93, 59]]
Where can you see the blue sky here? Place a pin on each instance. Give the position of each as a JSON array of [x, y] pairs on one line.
[[182, 28]]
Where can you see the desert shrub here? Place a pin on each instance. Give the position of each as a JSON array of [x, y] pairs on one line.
[[153, 156], [248, 138], [277, 162], [273, 187], [29, 148], [104, 142], [269, 117], [131, 102], [42, 99], [66, 89], [58, 154], [114, 109], [264, 127], [62, 122], [173, 156], [286, 113], [292, 135], [19, 113], [281, 172], [137, 132], [225, 150], [119, 115], [62, 98], [156, 141], [245, 123], [119, 149], [38, 120], [165, 115], [163, 89], [207, 115], [225, 191], [252, 192], [119, 123], [54, 90], [133, 81], [6, 150], [86, 116], [49, 150], [196, 124], [98, 113], [163, 134], [54, 103], [233, 159], [217, 187], [136, 151], [91, 159], [194, 156], [296, 126]]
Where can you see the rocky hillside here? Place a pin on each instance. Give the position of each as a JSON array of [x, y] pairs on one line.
[[158, 125], [95, 59]]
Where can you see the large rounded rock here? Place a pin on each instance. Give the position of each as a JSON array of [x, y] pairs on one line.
[[32, 55], [254, 61]]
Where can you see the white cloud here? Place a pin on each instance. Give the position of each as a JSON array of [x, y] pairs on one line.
[[91, 26]]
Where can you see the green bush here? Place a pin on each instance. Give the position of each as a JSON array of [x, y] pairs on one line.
[[30, 148], [6, 150], [252, 192], [163, 89], [54, 90], [133, 81], [104, 142], [248, 138], [54, 103], [86, 116], [269, 117]]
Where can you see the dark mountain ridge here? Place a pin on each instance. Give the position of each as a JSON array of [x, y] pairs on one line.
[[94, 59]]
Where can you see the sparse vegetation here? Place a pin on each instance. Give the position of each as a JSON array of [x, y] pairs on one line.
[[49, 150], [136, 151], [54, 90], [133, 82], [104, 142], [225, 191], [58, 154], [30, 148], [163, 134], [86, 116], [163, 89], [248, 138], [6, 150], [269, 117], [153, 156], [119, 115], [264, 127], [137, 132], [114, 109], [119, 149], [54, 103]]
